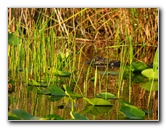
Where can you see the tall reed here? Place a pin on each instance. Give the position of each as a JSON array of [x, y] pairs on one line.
[[131, 60], [155, 69]]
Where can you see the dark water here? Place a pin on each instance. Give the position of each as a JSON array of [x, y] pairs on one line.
[[40, 105], [27, 98]]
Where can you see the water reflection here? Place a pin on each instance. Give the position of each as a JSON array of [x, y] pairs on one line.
[[107, 81]]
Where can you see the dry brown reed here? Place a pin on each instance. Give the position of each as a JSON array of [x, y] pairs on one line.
[[101, 26]]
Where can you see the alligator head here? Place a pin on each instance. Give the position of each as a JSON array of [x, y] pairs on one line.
[[103, 62]]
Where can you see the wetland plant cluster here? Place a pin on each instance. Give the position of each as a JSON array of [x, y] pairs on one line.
[[47, 59]]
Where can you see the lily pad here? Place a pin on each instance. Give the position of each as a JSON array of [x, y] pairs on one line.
[[98, 102], [62, 73], [53, 98], [22, 114], [96, 110], [37, 84], [77, 116], [71, 94], [53, 117], [106, 95], [57, 72], [12, 116], [149, 73], [54, 90], [147, 86], [138, 66], [131, 111]]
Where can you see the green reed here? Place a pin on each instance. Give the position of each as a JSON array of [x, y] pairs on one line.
[[80, 67], [155, 68], [86, 79], [122, 68], [95, 81], [131, 60]]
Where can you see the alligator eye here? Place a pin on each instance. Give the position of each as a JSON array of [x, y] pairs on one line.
[[112, 64]]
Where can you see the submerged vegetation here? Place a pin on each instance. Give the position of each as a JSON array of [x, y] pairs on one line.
[[53, 73]]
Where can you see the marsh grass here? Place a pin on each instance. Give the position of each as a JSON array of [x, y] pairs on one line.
[[155, 68], [95, 81], [131, 60], [57, 38]]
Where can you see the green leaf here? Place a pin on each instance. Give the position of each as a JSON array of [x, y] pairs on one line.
[[53, 117], [13, 40], [53, 90], [149, 73], [131, 111], [33, 82], [98, 102], [22, 114], [77, 116], [138, 78], [71, 94], [138, 66], [12, 116], [147, 86], [96, 110], [57, 72], [55, 97], [106, 95], [61, 73], [44, 84]]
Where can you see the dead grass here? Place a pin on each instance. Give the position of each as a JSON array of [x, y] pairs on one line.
[[98, 27]]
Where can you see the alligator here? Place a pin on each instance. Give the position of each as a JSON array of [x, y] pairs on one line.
[[100, 62]]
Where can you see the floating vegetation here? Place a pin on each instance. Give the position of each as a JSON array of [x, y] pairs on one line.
[[131, 111]]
